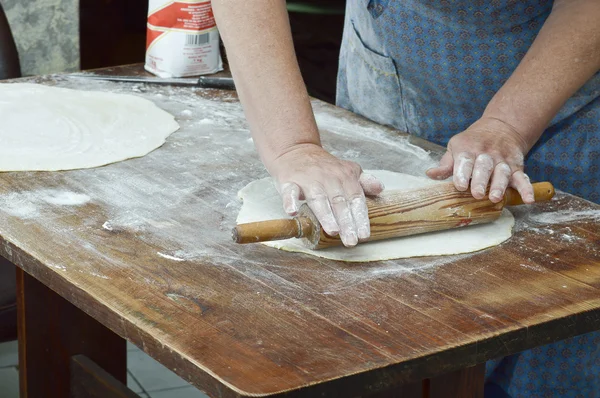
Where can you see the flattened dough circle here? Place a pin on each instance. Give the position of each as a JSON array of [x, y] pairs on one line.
[[50, 128], [262, 202]]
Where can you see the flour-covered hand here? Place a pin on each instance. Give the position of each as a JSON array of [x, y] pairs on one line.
[[489, 153], [334, 189]]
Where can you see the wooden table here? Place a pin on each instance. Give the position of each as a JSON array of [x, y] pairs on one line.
[[143, 252]]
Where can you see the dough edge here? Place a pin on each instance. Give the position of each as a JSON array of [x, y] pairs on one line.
[[164, 120], [444, 243]]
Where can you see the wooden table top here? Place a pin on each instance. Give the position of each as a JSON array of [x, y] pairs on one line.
[[144, 247]]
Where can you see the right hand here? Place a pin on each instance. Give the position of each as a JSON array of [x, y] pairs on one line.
[[334, 189]]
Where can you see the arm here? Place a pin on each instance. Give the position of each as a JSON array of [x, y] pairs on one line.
[[262, 60], [564, 55]]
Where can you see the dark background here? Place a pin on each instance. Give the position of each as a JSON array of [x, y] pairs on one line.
[[113, 32]]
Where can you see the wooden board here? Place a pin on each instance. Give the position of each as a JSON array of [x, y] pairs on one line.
[[146, 250]]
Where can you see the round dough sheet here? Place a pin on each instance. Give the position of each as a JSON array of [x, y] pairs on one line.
[[262, 202], [51, 128]]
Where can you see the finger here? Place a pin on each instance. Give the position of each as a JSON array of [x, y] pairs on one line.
[[371, 184], [360, 213], [463, 168], [520, 181], [482, 171], [444, 170], [290, 194], [358, 207], [500, 180], [343, 217], [318, 201]]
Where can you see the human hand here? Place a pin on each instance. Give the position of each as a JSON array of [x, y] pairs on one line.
[[488, 152], [334, 189]]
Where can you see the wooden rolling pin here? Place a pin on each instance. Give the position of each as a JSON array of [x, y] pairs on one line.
[[394, 214]]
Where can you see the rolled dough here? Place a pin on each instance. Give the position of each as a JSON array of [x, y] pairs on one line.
[[262, 202], [51, 128]]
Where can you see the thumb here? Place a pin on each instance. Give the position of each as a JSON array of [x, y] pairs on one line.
[[444, 170]]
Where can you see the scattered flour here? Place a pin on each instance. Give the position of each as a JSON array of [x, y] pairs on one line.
[[569, 238], [550, 222], [346, 127], [559, 217], [534, 267], [29, 204], [65, 198], [96, 274], [168, 257], [542, 231], [14, 204], [175, 297]]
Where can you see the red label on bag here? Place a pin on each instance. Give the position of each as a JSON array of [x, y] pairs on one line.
[[182, 39], [152, 35], [184, 16]]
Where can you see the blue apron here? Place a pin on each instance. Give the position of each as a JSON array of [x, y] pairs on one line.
[[430, 67]]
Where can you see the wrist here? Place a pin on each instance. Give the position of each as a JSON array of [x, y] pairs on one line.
[[501, 130], [275, 159], [526, 128]]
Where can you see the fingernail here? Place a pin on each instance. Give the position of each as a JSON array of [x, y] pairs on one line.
[[350, 239], [496, 194], [479, 191], [529, 198], [292, 209], [331, 231], [363, 232]]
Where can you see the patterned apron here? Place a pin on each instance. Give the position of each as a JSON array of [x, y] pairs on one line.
[[430, 67]]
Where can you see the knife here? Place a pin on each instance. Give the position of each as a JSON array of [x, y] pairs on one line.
[[223, 83]]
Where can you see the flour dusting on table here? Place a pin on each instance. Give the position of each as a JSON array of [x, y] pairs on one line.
[[186, 214], [566, 216]]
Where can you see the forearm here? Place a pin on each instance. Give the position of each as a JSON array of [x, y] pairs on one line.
[[261, 55], [565, 54]]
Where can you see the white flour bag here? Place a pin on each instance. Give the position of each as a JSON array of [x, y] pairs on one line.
[[182, 39]]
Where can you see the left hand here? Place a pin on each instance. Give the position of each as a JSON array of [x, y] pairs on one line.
[[489, 152]]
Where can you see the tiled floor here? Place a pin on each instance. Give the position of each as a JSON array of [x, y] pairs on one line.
[[145, 376]]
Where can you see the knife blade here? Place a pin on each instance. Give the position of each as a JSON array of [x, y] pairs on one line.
[[223, 83]]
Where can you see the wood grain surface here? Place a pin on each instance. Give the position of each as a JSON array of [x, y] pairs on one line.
[[144, 247]]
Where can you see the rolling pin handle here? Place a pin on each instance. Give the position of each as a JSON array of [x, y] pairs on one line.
[[542, 192], [265, 231]]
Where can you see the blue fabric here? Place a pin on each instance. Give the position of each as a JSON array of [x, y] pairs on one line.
[[429, 67], [569, 369]]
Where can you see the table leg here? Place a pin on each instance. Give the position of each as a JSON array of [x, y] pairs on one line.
[[412, 390], [464, 383], [51, 331]]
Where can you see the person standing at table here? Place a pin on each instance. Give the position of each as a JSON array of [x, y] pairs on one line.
[[506, 85]]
